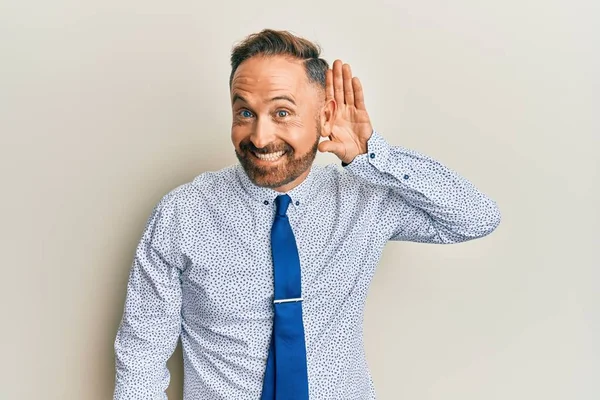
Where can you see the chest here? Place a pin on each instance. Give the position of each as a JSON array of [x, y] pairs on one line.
[[230, 267]]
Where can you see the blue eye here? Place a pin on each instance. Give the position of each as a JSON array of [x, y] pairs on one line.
[[246, 113], [282, 111]]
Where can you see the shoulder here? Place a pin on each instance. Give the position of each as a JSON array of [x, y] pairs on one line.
[[202, 189], [342, 178]]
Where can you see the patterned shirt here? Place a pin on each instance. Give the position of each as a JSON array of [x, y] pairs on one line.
[[203, 274]]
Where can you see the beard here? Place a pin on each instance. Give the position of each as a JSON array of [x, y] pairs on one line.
[[288, 169]]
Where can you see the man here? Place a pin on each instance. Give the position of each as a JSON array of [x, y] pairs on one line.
[[262, 269]]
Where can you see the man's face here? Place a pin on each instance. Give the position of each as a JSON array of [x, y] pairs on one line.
[[276, 120]]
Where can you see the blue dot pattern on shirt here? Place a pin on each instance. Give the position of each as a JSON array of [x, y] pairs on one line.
[[202, 271]]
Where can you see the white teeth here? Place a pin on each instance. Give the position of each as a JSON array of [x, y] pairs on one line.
[[270, 156]]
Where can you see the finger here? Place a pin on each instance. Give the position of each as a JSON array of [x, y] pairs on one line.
[[338, 82], [359, 96], [331, 146], [348, 90], [329, 84]]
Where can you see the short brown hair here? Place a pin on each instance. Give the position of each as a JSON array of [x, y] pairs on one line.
[[269, 42]]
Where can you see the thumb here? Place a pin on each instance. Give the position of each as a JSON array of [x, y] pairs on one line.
[[330, 146]]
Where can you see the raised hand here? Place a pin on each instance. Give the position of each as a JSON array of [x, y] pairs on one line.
[[352, 126]]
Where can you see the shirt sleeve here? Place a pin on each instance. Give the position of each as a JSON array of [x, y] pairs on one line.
[[150, 326], [421, 200]]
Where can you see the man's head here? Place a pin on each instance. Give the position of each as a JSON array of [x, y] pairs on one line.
[[277, 87]]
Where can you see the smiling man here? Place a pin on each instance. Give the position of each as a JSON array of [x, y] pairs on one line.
[[261, 269]]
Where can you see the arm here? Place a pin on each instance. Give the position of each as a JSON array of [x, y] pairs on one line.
[[150, 327], [422, 200], [419, 199]]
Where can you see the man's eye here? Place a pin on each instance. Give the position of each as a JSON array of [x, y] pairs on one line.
[[282, 113], [245, 113]]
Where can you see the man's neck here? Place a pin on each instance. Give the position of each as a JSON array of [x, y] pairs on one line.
[[289, 186]]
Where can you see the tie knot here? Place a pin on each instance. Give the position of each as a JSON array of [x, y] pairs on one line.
[[282, 202]]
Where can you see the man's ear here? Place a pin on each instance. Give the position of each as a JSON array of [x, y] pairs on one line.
[[328, 115]]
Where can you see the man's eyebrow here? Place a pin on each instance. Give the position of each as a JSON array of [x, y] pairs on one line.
[[239, 97], [284, 97]]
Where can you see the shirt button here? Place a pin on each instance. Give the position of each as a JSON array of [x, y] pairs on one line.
[[372, 155], [266, 202], [405, 176], [297, 203]]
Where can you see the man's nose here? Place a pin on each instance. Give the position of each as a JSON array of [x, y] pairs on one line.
[[262, 135]]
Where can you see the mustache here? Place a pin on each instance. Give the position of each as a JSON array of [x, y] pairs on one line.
[[247, 146]]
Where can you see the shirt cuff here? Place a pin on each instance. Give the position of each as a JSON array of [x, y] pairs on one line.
[[378, 150]]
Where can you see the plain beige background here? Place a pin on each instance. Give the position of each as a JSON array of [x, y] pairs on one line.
[[108, 105]]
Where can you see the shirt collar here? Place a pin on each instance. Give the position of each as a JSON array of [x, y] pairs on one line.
[[301, 195]]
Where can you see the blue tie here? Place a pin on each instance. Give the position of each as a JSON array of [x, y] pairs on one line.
[[286, 376]]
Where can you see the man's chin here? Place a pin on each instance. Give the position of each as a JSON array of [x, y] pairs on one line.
[[268, 180], [281, 173]]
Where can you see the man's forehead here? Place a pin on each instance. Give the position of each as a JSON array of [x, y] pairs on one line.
[[272, 72], [256, 90], [274, 80]]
